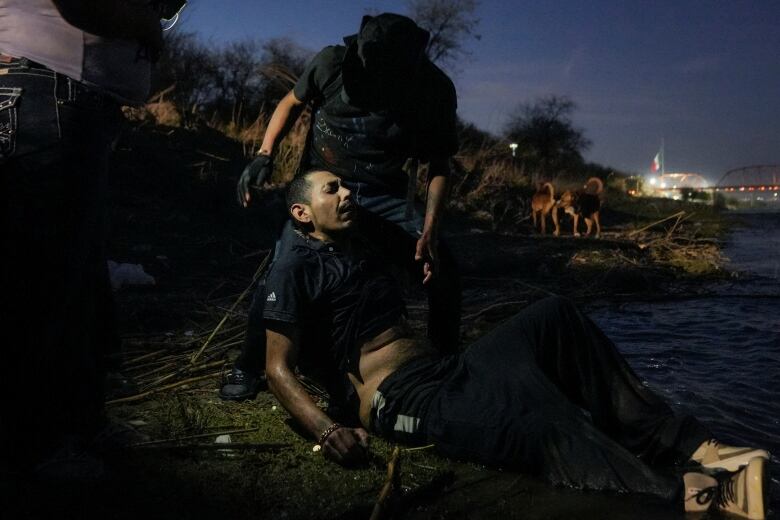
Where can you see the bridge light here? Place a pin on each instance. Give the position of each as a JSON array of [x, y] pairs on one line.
[[653, 181], [663, 185]]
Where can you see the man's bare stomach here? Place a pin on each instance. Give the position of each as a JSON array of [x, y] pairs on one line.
[[379, 358]]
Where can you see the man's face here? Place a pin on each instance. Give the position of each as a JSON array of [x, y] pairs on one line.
[[331, 209]]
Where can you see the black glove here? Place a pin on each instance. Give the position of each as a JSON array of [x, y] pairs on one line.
[[256, 173]]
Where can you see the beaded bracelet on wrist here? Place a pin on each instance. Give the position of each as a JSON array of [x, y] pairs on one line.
[[330, 429]]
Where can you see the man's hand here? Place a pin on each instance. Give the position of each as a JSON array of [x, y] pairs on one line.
[[347, 446], [256, 173], [427, 252]]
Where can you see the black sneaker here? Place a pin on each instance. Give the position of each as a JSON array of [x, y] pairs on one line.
[[238, 385]]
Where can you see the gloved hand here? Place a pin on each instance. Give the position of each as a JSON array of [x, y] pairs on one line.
[[256, 173]]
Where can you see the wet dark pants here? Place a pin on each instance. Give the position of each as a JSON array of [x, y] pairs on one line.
[[548, 393], [395, 237], [56, 300]]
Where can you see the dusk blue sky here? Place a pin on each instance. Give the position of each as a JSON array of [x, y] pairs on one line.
[[702, 75]]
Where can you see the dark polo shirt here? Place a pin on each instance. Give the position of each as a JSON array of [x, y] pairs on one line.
[[338, 298]]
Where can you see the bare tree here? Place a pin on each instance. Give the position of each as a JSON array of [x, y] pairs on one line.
[[548, 141], [187, 68], [239, 81], [450, 22], [282, 63]]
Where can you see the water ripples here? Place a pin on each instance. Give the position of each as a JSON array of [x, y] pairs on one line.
[[717, 358]]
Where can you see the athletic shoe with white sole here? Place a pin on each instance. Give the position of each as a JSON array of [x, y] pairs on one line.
[[740, 493], [714, 455]]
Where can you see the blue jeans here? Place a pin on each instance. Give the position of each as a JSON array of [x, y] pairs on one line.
[[55, 138], [395, 235], [391, 207]]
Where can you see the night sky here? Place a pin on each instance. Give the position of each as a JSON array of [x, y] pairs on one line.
[[702, 75]]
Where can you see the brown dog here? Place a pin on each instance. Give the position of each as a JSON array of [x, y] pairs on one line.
[[585, 204], [542, 203]]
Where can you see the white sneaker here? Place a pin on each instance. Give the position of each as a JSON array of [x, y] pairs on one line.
[[715, 455], [739, 493]]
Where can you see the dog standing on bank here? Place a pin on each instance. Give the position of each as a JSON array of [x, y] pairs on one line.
[[583, 203]]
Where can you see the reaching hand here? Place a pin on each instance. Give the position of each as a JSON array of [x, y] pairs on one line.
[[257, 172], [347, 446], [427, 252]]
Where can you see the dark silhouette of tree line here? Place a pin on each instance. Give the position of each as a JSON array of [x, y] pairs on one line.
[[239, 83]]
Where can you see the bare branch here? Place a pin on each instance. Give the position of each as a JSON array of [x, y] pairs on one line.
[[450, 23]]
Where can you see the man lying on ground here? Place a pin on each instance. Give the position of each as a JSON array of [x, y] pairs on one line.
[[546, 393]]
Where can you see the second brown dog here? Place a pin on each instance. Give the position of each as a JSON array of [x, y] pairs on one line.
[[585, 204]]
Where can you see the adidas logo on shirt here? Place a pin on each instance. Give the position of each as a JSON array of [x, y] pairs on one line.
[[271, 297]]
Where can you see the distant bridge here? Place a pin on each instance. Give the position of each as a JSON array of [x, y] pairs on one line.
[[760, 178]]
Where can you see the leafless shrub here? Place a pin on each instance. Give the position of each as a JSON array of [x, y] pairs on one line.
[[450, 23]]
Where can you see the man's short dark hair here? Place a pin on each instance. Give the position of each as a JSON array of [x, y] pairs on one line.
[[299, 191]]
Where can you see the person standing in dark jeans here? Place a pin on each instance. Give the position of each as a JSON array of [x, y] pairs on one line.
[[545, 393], [66, 67], [376, 102]]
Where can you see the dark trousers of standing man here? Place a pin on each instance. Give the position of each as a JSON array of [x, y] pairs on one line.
[[55, 137]]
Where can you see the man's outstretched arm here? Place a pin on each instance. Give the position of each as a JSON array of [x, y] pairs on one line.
[[285, 114], [347, 446], [261, 167]]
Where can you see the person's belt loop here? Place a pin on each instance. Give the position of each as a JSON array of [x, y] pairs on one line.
[[71, 92], [62, 90], [57, 103]]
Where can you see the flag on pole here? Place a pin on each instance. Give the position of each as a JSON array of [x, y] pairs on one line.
[[656, 163]]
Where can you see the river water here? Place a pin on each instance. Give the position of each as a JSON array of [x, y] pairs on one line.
[[718, 357]]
